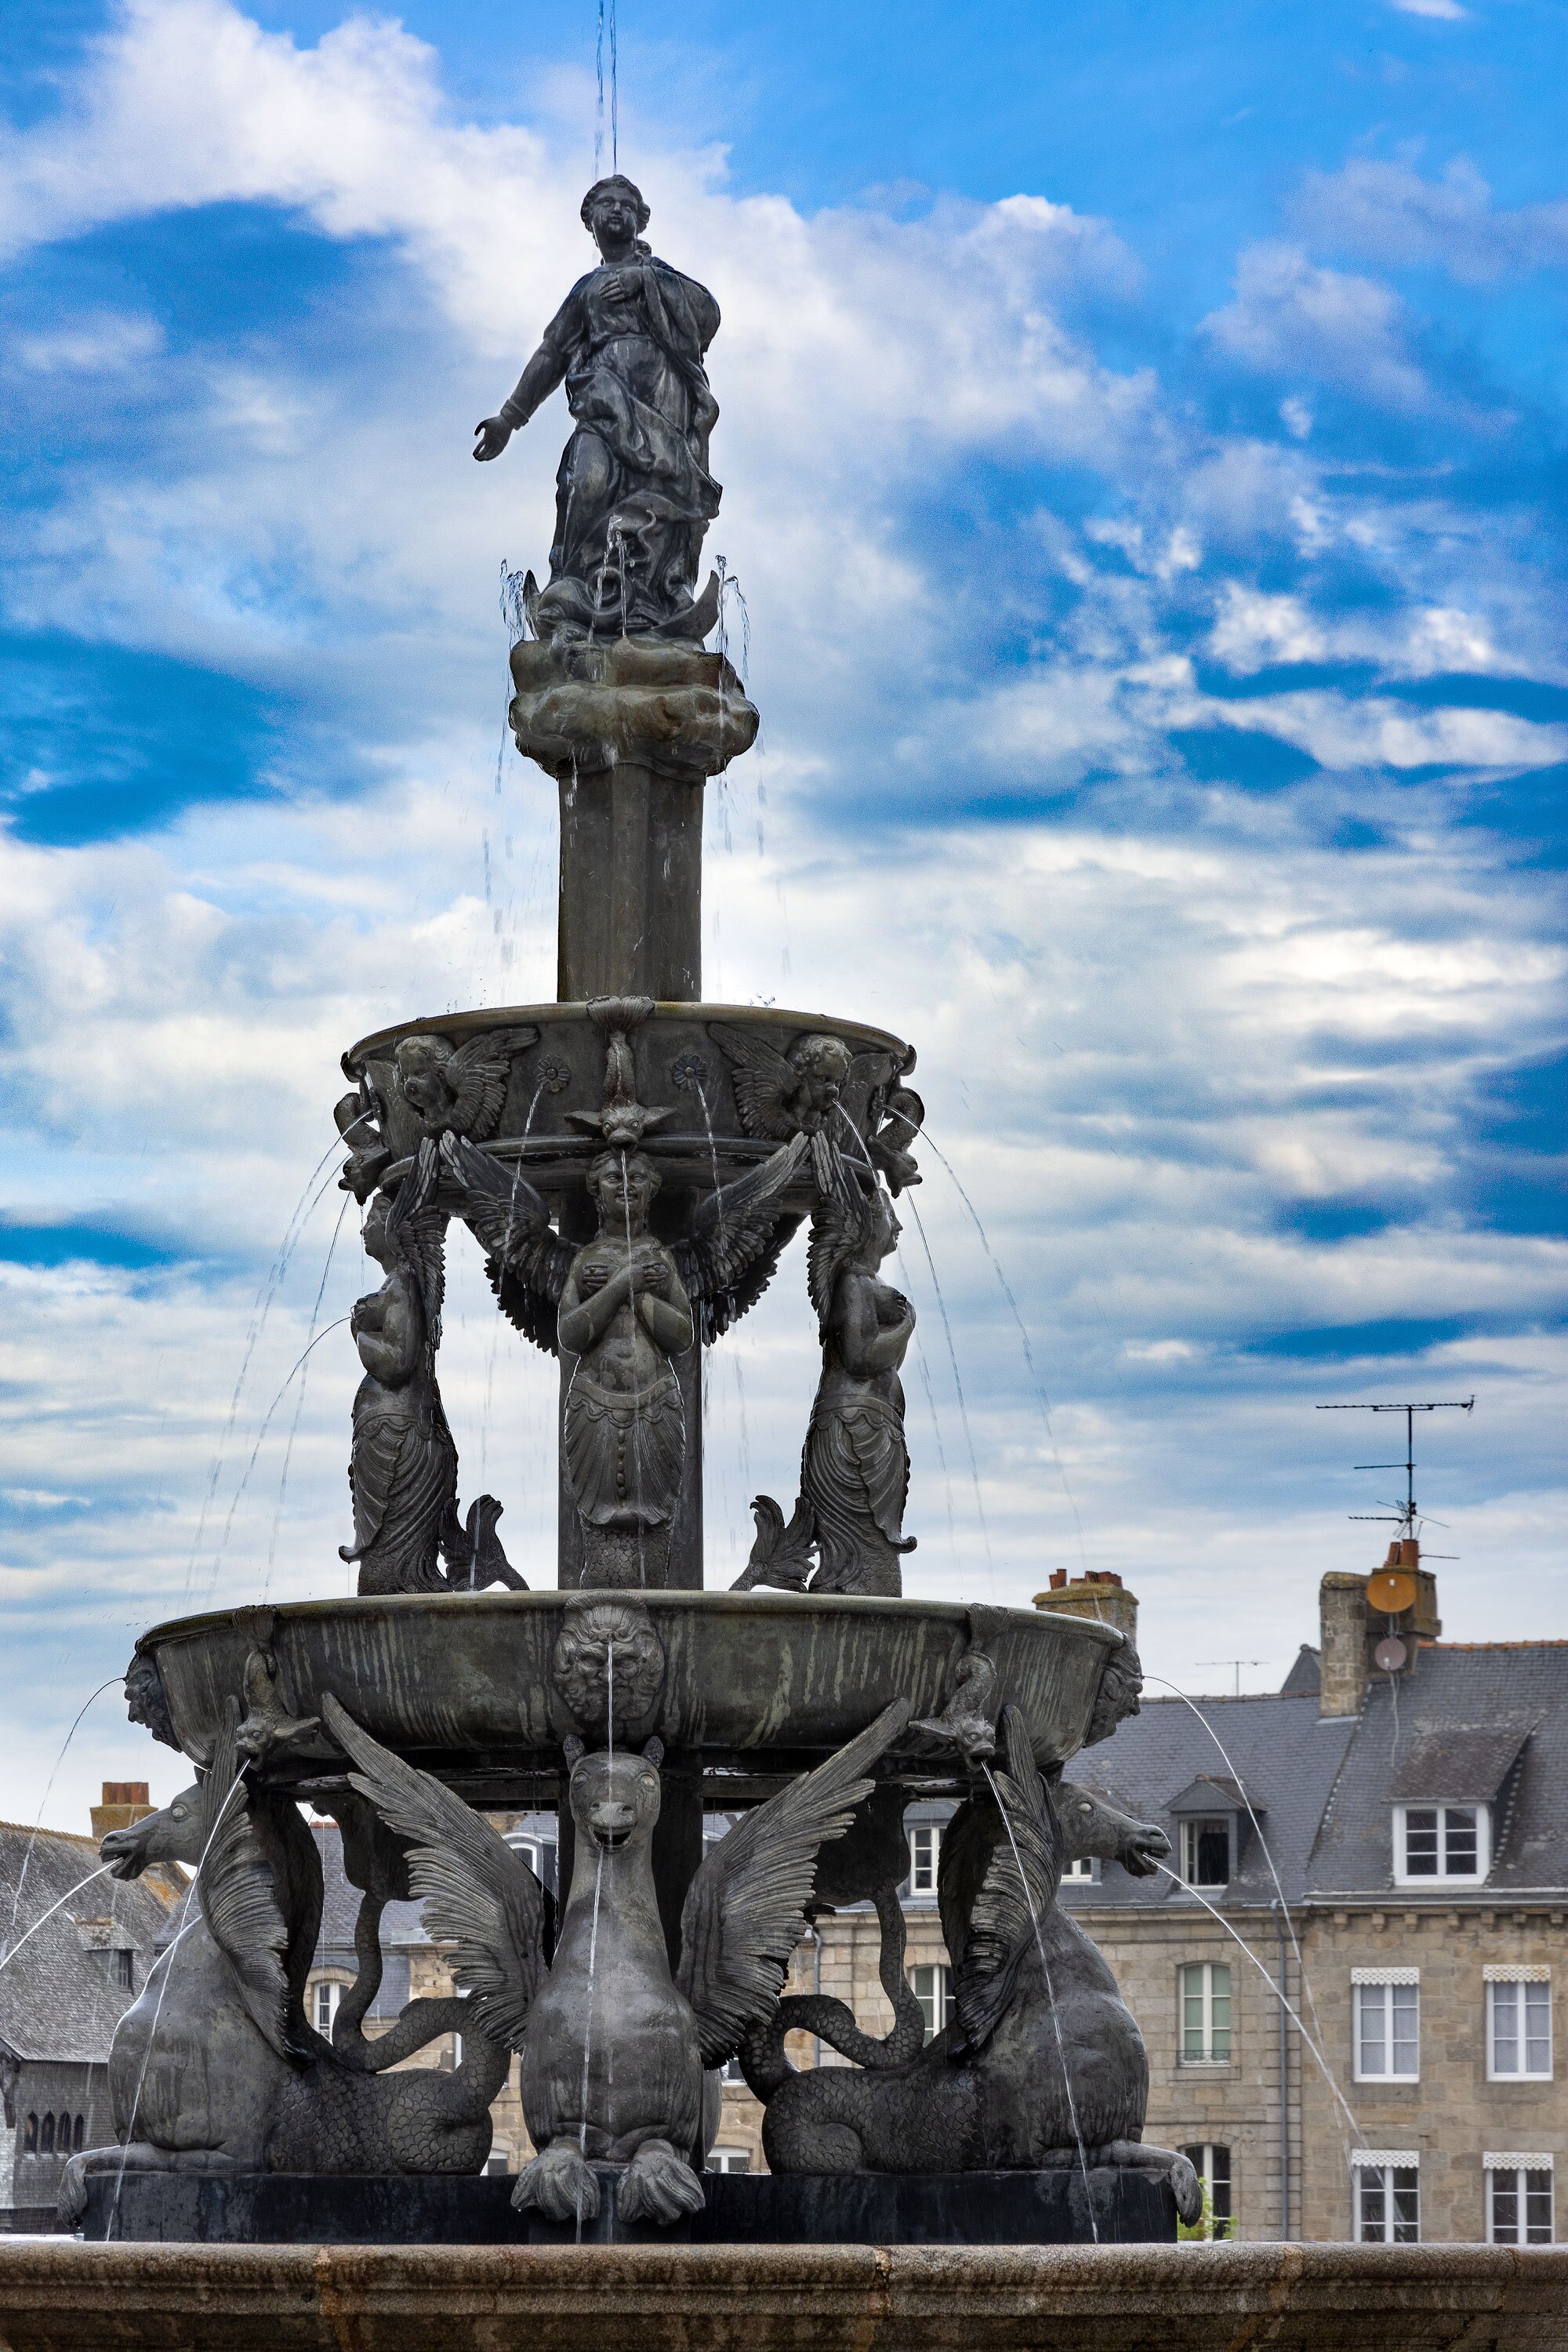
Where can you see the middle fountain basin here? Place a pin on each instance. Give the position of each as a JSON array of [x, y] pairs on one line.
[[483, 1689]]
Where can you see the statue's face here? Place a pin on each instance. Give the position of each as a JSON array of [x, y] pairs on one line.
[[625, 1192], [614, 1799], [374, 1235], [887, 1228], [422, 1077], [614, 220]]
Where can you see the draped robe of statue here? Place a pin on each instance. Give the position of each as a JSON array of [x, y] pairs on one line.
[[633, 494]]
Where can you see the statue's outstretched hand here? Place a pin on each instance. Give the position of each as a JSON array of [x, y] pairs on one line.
[[492, 435]]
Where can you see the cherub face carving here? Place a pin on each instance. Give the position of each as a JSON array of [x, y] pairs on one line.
[[422, 1077]]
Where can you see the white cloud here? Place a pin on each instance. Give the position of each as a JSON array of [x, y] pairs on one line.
[[1387, 210], [1447, 12], [1291, 317]]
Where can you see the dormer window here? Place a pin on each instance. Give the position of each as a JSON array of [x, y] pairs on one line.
[[1438, 1843], [1205, 1852]]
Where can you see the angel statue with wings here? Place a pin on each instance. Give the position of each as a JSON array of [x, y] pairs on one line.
[[403, 1466], [624, 1307], [855, 1465]]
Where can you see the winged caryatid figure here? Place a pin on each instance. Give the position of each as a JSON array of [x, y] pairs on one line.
[[624, 1307], [403, 1464], [855, 1463], [459, 1090]]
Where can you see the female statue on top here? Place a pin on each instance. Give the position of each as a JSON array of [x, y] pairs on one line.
[[633, 493]]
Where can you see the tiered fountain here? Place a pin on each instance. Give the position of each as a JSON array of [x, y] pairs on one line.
[[633, 1163]]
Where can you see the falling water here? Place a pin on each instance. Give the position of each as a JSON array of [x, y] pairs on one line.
[[260, 1439], [7, 1959], [713, 1162], [614, 93], [1263, 1842], [637, 1422], [59, 1759], [186, 1923], [1325, 2069], [588, 2030], [957, 1387], [1050, 1997], [292, 1232], [300, 1399], [1041, 1398]]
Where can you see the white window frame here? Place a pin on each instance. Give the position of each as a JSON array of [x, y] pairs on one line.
[[728, 2159], [936, 2000], [334, 1990], [925, 1859], [1519, 1980], [1191, 1828], [1441, 1875], [1083, 1871], [1207, 1970], [1201, 2156], [1373, 1990], [1386, 2162], [1515, 2164]]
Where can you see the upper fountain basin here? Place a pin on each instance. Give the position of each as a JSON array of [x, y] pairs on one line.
[[484, 1688], [733, 1082]]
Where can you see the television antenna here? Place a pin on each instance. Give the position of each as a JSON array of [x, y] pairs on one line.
[[1237, 1663], [1402, 1516]]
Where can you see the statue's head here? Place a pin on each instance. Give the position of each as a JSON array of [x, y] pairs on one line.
[[622, 1185], [614, 212], [376, 1232], [614, 1794], [174, 1834], [422, 1075], [883, 1228]]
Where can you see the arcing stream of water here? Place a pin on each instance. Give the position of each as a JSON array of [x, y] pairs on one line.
[[1050, 1996], [7, 1958], [59, 1759]]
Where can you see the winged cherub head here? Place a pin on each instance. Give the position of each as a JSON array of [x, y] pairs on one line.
[[423, 1079]]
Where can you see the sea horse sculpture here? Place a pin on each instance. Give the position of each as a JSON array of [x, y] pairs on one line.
[[616, 2045], [215, 2068], [1043, 2065], [624, 1307], [855, 1465]]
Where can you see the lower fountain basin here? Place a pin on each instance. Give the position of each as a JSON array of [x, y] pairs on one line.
[[483, 1688]]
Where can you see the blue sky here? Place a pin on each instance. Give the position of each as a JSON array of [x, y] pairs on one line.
[[1142, 441]]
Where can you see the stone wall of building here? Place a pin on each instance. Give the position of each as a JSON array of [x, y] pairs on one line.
[[1451, 2114]]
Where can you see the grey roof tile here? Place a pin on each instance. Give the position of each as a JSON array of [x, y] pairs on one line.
[[56, 1997]]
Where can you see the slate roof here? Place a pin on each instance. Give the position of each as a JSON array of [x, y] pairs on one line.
[[56, 1999], [1450, 1720], [1278, 1750]]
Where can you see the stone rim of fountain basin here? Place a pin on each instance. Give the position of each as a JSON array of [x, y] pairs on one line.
[[480, 1688], [57, 2293], [555, 1055]]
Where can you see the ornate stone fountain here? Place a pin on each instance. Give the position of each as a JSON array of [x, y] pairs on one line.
[[634, 1164]]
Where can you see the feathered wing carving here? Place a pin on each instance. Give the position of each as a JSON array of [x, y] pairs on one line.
[[866, 1074], [525, 1258], [839, 1222], [745, 1908], [1001, 1923], [479, 1896], [478, 1073], [737, 1235], [238, 1899], [764, 1081], [419, 1229]]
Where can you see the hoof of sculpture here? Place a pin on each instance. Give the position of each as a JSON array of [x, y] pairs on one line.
[[659, 2186], [559, 2183], [582, 707]]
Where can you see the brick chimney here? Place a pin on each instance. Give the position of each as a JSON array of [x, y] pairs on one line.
[[1341, 1637], [1351, 1625], [124, 1802], [1100, 1595]]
